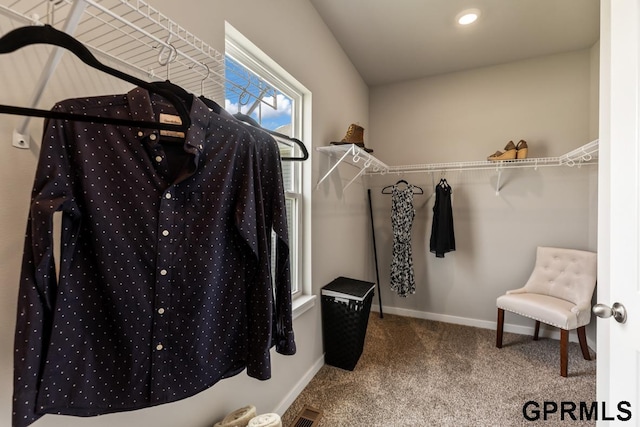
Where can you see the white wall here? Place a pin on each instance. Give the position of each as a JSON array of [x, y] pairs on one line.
[[466, 116], [291, 33]]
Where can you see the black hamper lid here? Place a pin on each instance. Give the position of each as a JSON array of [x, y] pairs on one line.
[[343, 287]]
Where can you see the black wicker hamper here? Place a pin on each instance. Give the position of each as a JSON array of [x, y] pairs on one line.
[[346, 304]]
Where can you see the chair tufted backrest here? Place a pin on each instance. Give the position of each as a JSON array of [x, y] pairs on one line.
[[568, 274]]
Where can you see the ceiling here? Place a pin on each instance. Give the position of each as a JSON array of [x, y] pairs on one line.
[[396, 40]]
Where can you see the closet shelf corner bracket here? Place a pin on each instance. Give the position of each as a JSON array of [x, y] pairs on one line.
[[355, 156]]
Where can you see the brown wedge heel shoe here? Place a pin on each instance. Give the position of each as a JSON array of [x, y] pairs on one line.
[[522, 149], [510, 152]]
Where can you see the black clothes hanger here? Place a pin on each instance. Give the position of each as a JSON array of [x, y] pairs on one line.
[[166, 85], [416, 189], [248, 119], [215, 107], [46, 34]]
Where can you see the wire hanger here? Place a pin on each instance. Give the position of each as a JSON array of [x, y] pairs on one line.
[[416, 189], [248, 119], [46, 34]]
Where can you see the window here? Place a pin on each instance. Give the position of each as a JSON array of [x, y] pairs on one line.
[[273, 99]]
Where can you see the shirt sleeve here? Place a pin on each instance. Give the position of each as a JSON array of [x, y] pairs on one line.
[[52, 191], [284, 336], [251, 225]]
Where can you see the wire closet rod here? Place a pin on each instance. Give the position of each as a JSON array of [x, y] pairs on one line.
[[369, 165], [585, 155]]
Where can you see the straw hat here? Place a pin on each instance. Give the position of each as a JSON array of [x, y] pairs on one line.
[[355, 135]]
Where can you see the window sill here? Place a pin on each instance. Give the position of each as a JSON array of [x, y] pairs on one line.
[[302, 304]]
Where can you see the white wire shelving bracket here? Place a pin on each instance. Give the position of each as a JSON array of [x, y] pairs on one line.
[[584, 155], [355, 156], [131, 34]]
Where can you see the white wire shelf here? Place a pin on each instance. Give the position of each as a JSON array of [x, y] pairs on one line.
[[132, 34], [129, 34], [585, 155], [369, 165]]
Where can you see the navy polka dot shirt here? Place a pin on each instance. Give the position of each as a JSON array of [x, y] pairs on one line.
[[164, 284], [275, 218]]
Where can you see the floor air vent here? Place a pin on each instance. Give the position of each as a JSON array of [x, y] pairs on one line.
[[308, 417]]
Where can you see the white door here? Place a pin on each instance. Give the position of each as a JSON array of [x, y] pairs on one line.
[[618, 366]]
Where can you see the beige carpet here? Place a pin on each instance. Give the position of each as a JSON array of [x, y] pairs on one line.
[[417, 372]]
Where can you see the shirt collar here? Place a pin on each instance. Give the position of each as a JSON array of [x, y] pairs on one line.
[[141, 109]]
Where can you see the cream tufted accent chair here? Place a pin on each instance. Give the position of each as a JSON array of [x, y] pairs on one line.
[[558, 293]]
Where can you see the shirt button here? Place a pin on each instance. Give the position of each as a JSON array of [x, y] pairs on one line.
[[158, 159], [152, 137], [165, 232], [140, 133], [161, 310], [163, 272], [159, 347], [167, 196]]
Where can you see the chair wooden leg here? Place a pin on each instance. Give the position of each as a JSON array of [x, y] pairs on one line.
[[582, 337], [537, 331], [499, 328], [564, 351]]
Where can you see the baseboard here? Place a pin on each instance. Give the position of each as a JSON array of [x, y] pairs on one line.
[[300, 385], [552, 333]]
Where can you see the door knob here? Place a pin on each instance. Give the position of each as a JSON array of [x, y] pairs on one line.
[[617, 310]]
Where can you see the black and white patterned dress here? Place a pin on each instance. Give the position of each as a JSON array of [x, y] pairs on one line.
[[402, 214]]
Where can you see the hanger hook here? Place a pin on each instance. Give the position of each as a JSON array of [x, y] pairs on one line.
[[243, 98], [205, 78], [170, 55]]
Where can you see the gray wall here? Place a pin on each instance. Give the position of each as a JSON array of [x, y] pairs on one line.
[[292, 34], [466, 116]]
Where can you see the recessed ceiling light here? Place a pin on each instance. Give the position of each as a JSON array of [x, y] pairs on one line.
[[468, 16]]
